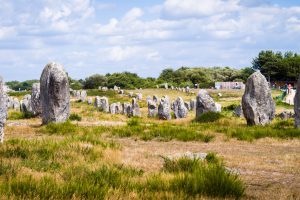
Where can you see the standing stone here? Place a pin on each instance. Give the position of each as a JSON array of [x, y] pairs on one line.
[[187, 89], [26, 104], [9, 102], [116, 88], [180, 110], [166, 86], [193, 104], [126, 108], [297, 105], [238, 111], [3, 109], [148, 98], [112, 108], [257, 102], [218, 107], [119, 108], [155, 99], [72, 92], [187, 105], [139, 96], [164, 110], [152, 108], [204, 103], [90, 101], [16, 104], [97, 102], [55, 94], [36, 99], [121, 92], [83, 95], [130, 94], [135, 108], [102, 104], [77, 94]]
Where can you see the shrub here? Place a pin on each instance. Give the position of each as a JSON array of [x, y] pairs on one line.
[[60, 128], [209, 117], [134, 121], [230, 107], [75, 117], [14, 115], [205, 178]]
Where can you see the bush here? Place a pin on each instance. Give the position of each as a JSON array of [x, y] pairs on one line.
[[230, 107], [209, 117], [75, 117], [134, 121], [60, 128], [195, 177], [14, 115]]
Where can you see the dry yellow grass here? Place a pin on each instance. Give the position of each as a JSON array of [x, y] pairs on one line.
[[269, 167]]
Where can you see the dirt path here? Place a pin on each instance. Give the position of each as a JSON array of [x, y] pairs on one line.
[[270, 167]]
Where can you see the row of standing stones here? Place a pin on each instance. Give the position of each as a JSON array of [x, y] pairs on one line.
[[51, 99]]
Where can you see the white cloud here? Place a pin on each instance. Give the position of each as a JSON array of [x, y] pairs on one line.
[[198, 8], [173, 33]]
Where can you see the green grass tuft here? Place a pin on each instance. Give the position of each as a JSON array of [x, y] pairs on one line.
[[75, 117], [209, 117]]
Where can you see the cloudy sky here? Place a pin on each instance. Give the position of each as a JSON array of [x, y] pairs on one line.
[[141, 36]]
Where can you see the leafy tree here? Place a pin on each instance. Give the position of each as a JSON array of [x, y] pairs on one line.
[[95, 81]]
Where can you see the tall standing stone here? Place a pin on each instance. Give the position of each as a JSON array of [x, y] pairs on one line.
[[180, 110], [297, 105], [257, 102], [3, 109], [36, 99], [164, 110], [204, 103], [55, 94]]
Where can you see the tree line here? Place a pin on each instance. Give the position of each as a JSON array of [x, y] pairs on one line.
[[276, 66]]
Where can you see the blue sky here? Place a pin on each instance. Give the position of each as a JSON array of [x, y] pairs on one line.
[[95, 36]]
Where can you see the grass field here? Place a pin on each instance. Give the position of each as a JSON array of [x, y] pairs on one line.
[[102, 156]]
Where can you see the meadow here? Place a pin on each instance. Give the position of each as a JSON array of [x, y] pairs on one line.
[[97, 155]]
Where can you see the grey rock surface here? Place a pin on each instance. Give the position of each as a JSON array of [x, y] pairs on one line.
[[3, 109], [55, 94], [164, 109], [204, 103], [257, 102], [152, 108], [36, 99], [180, 110]]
